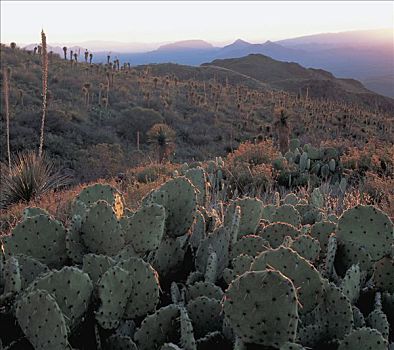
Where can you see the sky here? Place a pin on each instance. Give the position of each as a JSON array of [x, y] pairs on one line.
[[218, 22]]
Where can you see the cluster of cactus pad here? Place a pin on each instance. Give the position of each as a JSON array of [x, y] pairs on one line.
[[309, 164], [188, 272]]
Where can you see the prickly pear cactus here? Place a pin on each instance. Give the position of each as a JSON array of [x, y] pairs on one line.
[[158, 328], [114, 289], [369, 227], [250, 245], [145, 287], [40, 318], [30, 269], [178, 197], [120, 342], [288, 214], [351, 283], [96, 265], [29, 212], [94, 193], [198, 178], [74, 246], [198, 230], [101, 232], [307, 247], [253, 314], [291, 199], [275, 233], [145, 228], [251, 212], [304, 276], [12, 276], [206, 315], [363, 338], [71, 288], [383, 275], [322, 231], [40, 237], [206, 289], [239, 265]]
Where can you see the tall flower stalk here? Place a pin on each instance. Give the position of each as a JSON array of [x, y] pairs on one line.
[[7, 112], [44, 69]]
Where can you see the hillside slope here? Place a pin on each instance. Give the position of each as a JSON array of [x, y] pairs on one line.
[[212, 109], [292, 77]]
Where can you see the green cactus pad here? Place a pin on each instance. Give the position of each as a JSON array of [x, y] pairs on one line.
[[250, 245], [169, 256], [74, 247], [206, 289], [198, 178], [240, 265], [170, 346], [358, 317], [309, 214], [178, 197], [335, 313], [94, 193], [206, 315], [40, 318], [30, 269], [305, 277], [291, 199], [198, 230], [258, 302], [187, 334], [219, 242], [145, 287], [268, 212], [114, 289], [145, 228], [310, 335], [275, 233], [158, 328], [349, 254], [101, 232], [29, 212], [369, 227], [251, 212], [377, 319], [12, 276], [351, 283], [383, 275], [288, 214], [40, 237], [307, 247], [120, 342], [364, 338], [96, 265], [322, 231], [71, 289]]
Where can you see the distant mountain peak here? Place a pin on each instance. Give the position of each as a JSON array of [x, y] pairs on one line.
[[187, 44], [240, 42]]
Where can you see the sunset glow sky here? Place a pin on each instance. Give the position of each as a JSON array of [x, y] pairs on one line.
[[163, 21]]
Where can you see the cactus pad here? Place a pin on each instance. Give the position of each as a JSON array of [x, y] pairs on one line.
[[158, 328], [307, 247], [364, 338], [369, 227], [145, 287], [251, 212], [288, 214], [275, 233], [96, 265], [383, 275], [258, 302], [71, 289], [145, 228], [114, 289], [250, 245], [206, 289], [40, 318], [304, 276], [101, 231], [40, 237], [178, 197]]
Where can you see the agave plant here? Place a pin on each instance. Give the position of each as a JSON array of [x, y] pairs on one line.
[[29, 177]]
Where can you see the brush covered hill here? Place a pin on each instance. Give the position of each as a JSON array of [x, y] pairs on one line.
[[294, 78], [95, 112]]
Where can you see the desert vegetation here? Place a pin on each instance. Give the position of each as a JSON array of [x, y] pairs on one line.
[[175, 207]]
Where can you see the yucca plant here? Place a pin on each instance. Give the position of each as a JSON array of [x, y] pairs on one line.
[[162, 137], [44, 70], [29, 177]]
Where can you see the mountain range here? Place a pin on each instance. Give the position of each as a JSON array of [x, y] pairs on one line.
[[367, 56]]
